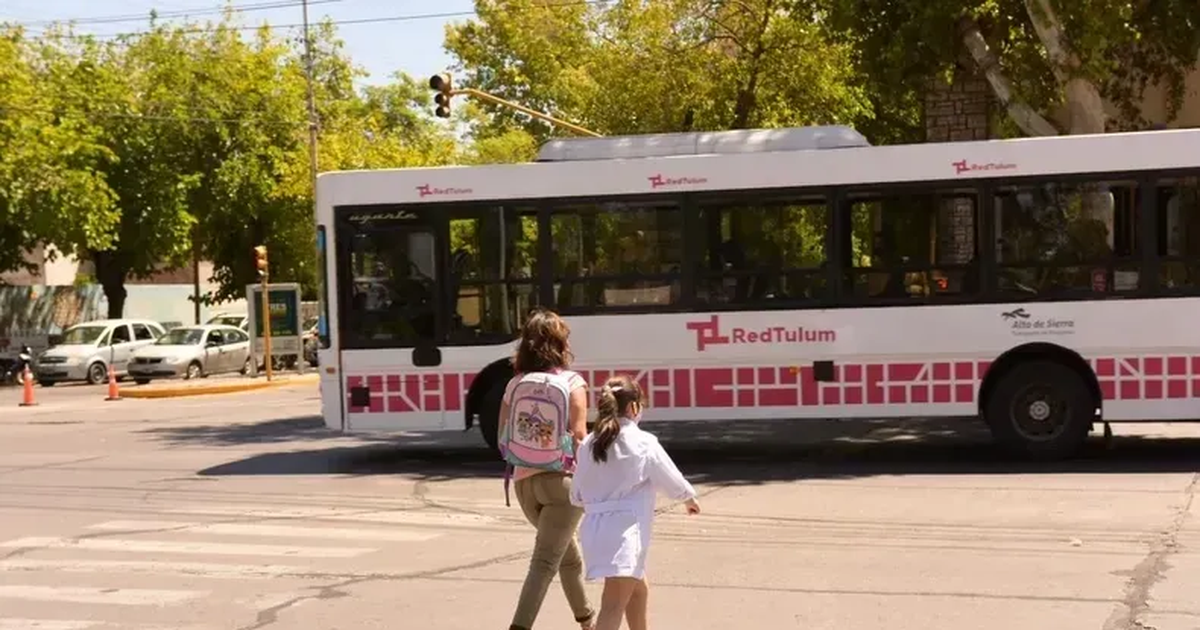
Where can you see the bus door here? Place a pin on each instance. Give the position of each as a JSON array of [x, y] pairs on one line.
[[391, 292]]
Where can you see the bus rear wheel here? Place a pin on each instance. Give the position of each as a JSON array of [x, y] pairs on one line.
[[1041, 410], [489, 415]]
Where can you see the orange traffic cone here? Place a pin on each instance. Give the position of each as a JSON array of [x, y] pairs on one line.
[[113, 392], [27, 398]]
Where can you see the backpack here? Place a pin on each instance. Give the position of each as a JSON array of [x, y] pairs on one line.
[[536, 434]]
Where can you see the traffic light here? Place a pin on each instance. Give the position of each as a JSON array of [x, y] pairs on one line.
[[260, 259], [442, 85]]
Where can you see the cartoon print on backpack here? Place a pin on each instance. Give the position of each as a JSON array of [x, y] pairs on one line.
[[534, 428], [536, 435]]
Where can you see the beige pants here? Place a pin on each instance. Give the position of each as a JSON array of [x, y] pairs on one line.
[[545, 500]]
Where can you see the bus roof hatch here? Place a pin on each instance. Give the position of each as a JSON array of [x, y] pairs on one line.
[[701, 143]]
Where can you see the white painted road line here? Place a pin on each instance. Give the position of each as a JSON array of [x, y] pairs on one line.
[[390, 517], [202, 548], [190, 569], [82, 595], [10, 623], [46, 624], [270, 530]]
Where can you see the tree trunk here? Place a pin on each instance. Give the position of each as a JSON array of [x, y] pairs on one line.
[[747, 98], [1086, 107], [111, 275], [1031, 122]]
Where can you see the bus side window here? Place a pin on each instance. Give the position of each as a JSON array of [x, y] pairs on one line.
[[1067, 239], [1179, 234], [762, 250], [493, 256], [913, 245]]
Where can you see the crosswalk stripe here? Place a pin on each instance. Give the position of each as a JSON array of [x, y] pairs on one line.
[[13, 623], [149, 567], [46, 624], [205, 548], [85, 595], [390, 517], [269, 530]]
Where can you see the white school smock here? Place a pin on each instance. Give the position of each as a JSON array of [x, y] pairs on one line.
[[617, 497]]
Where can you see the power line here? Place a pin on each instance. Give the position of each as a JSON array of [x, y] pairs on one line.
[[376, 20], [141, 17]]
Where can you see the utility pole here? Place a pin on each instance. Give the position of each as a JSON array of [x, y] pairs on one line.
[[312, 107]]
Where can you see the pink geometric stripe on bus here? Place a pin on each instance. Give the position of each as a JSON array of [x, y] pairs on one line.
[[876, 383]]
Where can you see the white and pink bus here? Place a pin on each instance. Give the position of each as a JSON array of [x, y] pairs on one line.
[[1045, 285]]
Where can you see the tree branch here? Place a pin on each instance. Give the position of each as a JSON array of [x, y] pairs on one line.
[[1049, 31], [1031, 122], [1086, 105]]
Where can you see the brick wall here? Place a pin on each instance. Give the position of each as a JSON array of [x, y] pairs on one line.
[[960, 110]]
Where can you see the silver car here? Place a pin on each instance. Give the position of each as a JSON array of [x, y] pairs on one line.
[[86, 350], [192, 352]]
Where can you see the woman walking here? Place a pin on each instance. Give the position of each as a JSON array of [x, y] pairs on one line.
[[620, 468], [544, 495]]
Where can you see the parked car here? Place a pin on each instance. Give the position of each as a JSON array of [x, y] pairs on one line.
[[237, 320], [193, 352], [310, 341], [86, 350]]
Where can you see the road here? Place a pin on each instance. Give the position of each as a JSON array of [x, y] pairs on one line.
[[241, 512]]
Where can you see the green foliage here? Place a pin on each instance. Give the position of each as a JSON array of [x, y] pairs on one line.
[[1120, 46], [636, 67], [186, 140], [50, 190]]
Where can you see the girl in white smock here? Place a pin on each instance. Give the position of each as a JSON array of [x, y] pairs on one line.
[[618, 470]]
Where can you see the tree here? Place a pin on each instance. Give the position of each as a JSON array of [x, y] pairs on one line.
[[267, 193], [1054, 66], [638, 67], [50, 190]]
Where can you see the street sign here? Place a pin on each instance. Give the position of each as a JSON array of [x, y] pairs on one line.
[[284, 304]]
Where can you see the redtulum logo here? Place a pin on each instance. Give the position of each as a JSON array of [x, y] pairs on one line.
[[962, 166], [426, 190], [658, 181], [708, 333]]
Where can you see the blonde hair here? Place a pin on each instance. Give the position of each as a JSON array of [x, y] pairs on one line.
[[617, 399]]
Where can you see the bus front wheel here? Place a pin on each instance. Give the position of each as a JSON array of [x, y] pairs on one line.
[[489, 415], [1041, 410]]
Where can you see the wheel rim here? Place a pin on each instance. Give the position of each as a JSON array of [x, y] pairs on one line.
[[98, 373], [193, 371], [1039, 413]]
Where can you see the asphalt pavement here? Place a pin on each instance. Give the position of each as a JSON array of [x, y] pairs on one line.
[[241, 511]]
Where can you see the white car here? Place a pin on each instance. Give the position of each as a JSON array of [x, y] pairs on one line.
[[237, 320], [193, 352], [86, 350]]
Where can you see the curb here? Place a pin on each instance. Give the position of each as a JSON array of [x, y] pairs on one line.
[[218, 388]]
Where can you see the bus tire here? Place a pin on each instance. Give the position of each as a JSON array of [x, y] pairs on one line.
[[489, 415], [1041, 410]]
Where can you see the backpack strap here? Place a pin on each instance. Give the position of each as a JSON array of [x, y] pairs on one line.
[[508, 474]]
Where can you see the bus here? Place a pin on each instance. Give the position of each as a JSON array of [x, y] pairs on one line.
[[1048, 286]]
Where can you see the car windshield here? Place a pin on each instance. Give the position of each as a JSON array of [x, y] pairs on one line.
[[227, 320], [83, 335], [181, 337]]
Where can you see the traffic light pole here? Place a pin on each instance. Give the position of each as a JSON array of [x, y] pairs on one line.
[[266, 320], [536, 114]]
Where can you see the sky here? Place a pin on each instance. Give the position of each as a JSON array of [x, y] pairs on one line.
[[407, 36]]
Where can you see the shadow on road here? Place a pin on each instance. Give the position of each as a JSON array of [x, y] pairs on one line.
[[265, 432], [735, 453]]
